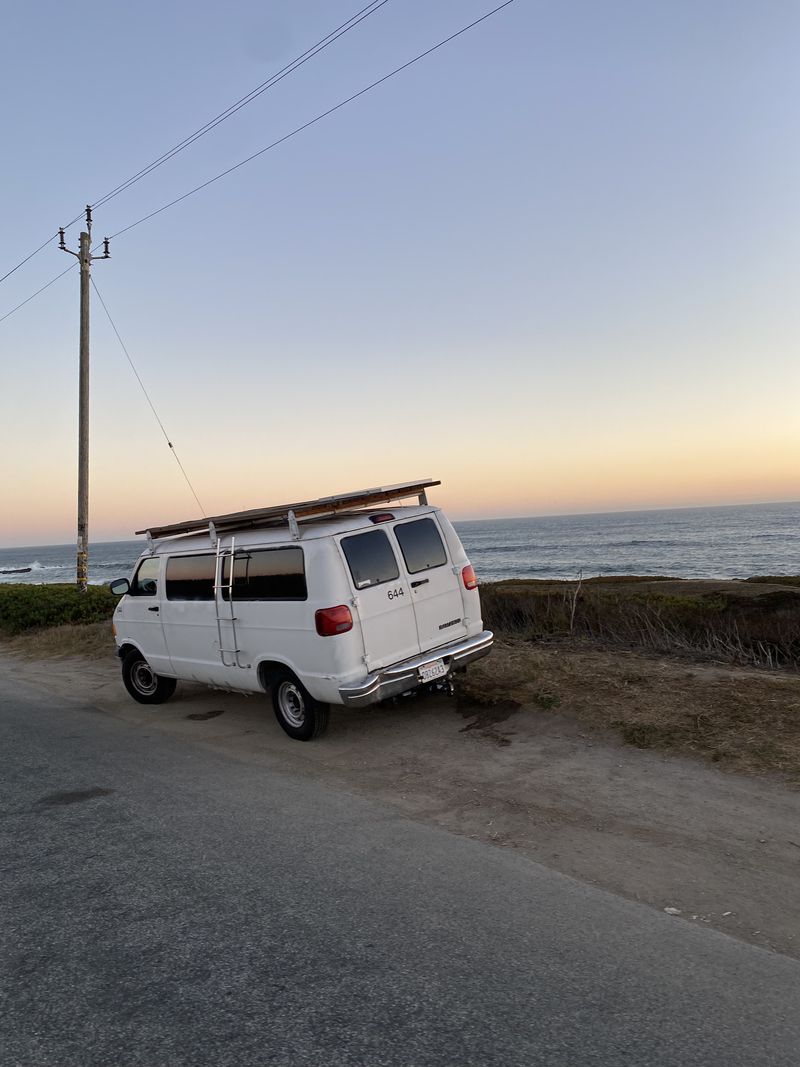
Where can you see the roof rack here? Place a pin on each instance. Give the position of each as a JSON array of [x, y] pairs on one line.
[[289, 514]]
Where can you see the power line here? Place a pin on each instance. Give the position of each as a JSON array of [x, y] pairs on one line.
[[147, 397], [286, 137], [47, 286], [284, 72], [316, 119], [22, 262]]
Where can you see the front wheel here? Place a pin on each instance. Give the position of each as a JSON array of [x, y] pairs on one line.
[[299, 714], [142, 682]]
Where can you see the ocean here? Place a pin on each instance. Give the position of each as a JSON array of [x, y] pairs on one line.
[[718, 542]]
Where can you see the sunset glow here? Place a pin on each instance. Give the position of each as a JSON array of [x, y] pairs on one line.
[[551, 265]]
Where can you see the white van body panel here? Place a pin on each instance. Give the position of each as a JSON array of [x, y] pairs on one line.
[[470, 598], [190, 629], [233, 643]]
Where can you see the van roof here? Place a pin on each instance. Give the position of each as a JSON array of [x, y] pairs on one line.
[[308, 530], [291, 514]]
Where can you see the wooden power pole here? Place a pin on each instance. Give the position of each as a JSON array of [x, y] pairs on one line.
[[85, 258]]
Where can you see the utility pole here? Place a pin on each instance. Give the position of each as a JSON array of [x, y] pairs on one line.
[[84, 257]]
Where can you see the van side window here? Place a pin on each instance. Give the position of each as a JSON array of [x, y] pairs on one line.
[[370, 558], [145, 581], [266, 574], [421, 545], [190, 577]]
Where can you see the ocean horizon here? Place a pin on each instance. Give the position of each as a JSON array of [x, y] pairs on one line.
[[724, 541]]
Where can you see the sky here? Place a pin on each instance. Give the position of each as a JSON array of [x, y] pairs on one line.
[[553, 264]]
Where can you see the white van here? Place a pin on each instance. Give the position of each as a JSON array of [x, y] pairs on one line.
[[331, 601]]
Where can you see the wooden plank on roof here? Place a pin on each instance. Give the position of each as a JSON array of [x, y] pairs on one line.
[[304, 509]]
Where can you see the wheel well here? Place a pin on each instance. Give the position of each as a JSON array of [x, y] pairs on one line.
[[124, 649], [267, 669]]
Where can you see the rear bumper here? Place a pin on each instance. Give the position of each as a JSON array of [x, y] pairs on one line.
[[400, 677]]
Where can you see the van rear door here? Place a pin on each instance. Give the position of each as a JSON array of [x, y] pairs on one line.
[[383, 598], [435, 589]]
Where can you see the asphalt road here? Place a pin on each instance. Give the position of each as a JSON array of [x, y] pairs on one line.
[[162, 904]]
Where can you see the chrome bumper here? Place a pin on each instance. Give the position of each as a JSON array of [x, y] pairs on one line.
[[400, 677]]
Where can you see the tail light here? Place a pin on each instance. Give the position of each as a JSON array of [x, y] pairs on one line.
[[332, 621], [468, 577], [383, 516]]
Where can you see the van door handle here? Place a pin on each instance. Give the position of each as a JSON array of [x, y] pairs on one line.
[[152, 609], [422, 581]]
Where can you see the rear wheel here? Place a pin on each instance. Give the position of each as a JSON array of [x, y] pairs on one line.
[[299, 714], [142, 682]]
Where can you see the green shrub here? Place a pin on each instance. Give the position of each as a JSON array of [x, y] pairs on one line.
[[34, 607]]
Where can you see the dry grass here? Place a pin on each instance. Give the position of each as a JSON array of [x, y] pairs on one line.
[[746, 720], [92, 641], [750, 623]]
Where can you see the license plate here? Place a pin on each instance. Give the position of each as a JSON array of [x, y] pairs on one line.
[[431, 671]]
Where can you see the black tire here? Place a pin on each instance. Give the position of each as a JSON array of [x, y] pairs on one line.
[[301, 716], [142, 682]]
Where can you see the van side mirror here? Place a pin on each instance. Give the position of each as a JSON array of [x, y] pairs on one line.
[[120, 586]]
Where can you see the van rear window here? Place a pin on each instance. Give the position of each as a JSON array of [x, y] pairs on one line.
[[370, 558], [421, 545], [266, 574], [190, 577]]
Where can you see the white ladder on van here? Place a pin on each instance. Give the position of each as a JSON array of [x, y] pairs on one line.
[[220, 588]]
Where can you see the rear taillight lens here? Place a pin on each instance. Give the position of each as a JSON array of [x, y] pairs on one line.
[[383, 516], [332, 621], [468, 577]]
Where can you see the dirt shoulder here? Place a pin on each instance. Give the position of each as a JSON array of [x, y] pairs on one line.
[[540, 768], [747, 720]]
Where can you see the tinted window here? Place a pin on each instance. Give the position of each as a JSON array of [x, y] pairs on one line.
[[266, 574], [145, 582], [421, 545], [190, 578], [370, 558]]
